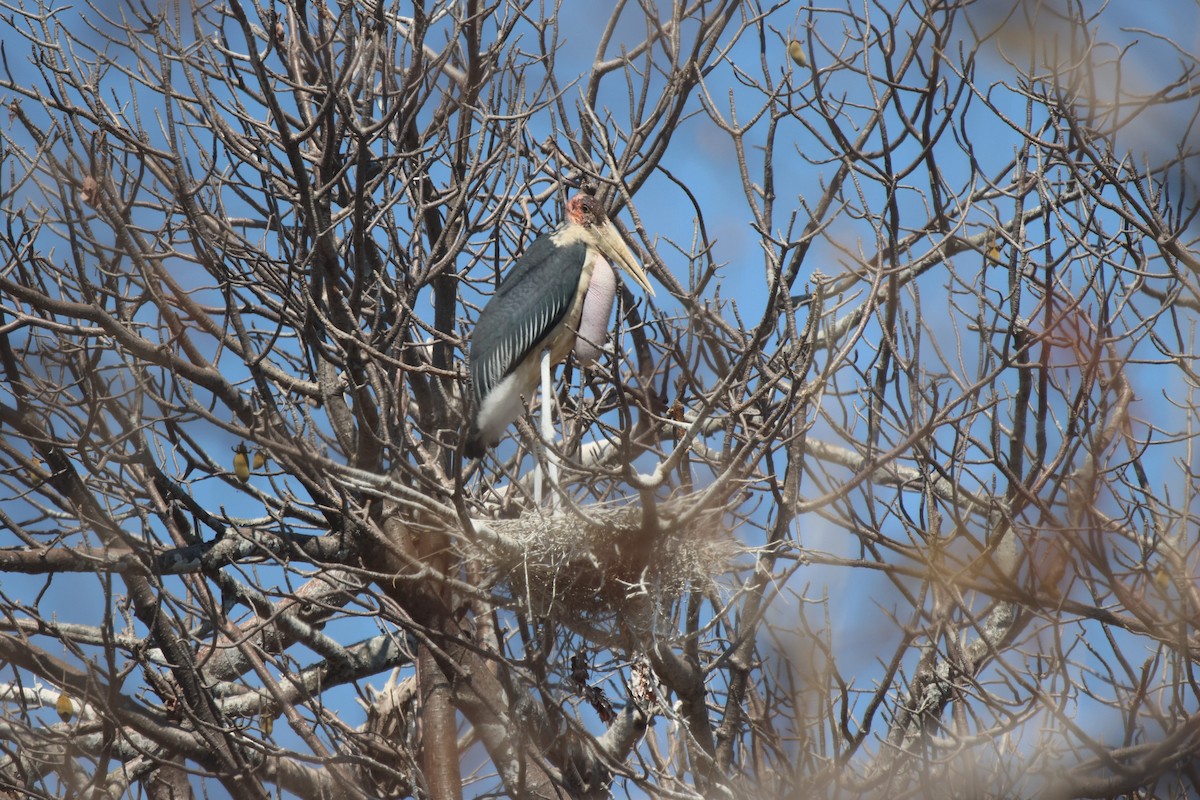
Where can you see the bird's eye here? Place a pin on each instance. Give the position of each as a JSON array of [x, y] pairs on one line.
[[588, 207]]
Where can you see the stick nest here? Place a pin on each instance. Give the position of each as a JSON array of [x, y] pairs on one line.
[[606, 567]]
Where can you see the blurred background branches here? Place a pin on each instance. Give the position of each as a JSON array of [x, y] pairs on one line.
[[889, 491]]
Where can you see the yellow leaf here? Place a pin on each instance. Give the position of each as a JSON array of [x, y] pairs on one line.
[[64, 707], [1162, 578], [241, 462], [796, 51]]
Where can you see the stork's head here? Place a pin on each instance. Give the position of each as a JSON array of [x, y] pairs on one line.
[[589, 213]]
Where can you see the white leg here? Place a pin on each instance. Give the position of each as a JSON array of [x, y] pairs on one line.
[[548, 429]]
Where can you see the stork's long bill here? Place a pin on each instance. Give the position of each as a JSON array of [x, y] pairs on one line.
[[557, 296], [609, 241]]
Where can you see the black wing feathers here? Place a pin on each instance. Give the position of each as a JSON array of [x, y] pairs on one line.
[[532, 298]]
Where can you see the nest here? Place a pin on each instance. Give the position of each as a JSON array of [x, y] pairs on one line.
[[609, 570]]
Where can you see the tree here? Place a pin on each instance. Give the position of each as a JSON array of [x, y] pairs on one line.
[[891, 491]]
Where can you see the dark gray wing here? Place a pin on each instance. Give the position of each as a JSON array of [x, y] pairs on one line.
[[533, 297]]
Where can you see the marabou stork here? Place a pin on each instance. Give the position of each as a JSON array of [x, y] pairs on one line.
[[557, 297]]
